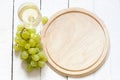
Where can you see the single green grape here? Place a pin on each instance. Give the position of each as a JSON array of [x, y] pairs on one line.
[[17, 39], [25, 34], [44, 59], [24, 55], [18, 34], [37, 49], [33, 63], [39, 45], [35, 37], [32, 42], [42, 56], [27, 46], [16, 47], [32, 35], [35, 57], [22, 43], [22, 48], [29, 68], [32, 51], [41, 64], [20, 27], [33, 30], [44, 20], [28, 60]]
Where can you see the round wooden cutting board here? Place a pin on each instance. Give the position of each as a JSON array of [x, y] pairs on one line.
[[75, 41]]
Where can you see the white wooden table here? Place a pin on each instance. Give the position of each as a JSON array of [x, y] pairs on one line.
[[11, 67]]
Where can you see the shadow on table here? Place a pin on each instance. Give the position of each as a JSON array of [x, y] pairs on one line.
[[34, 73]]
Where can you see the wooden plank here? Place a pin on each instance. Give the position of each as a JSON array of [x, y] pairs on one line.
[[19, 72], [114, 33], [6, 8], [49, 7], [108, 11], [88, 5]]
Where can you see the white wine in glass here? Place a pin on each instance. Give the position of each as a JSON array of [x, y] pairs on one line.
[[30, 14]]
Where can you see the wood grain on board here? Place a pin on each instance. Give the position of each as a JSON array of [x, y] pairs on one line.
[[101, 8], [88, 5]]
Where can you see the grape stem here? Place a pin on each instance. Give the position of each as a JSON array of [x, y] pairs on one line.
[[21, 33]]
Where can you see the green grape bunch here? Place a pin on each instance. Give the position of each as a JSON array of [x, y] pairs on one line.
[[28, 43]]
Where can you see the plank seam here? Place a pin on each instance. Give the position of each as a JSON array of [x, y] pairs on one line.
[[68, 3], [40, 4], [12, 41], [68, 7], [93, 6]]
